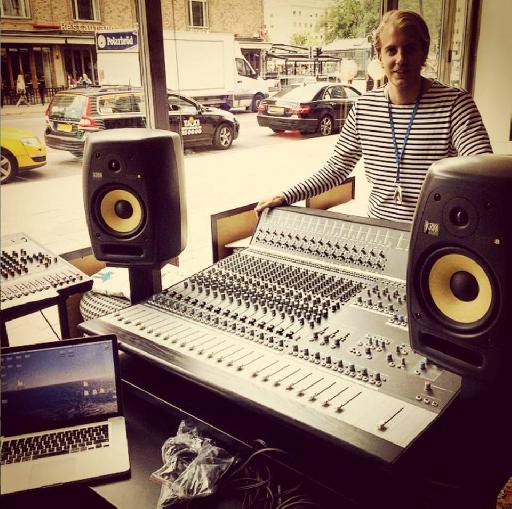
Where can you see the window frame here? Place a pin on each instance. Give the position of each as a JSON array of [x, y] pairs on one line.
[[26, 11], [204, 9], [95, 10]]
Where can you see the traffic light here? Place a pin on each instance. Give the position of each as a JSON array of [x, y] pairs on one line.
[[318, 52]]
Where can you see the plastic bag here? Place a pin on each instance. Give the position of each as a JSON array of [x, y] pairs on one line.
[[192, 466]]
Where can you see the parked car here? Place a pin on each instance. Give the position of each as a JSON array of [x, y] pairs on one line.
[[73, 114], [21, 151], [313, 108], [291, 80]]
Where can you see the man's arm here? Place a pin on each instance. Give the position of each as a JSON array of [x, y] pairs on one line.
[[337, 168], [468, 133]]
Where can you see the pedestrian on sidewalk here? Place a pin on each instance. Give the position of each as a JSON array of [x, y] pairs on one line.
[[21, 90], [41, 86], [84, 81]]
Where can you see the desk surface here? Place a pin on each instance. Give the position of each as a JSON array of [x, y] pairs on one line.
[[149, 425]]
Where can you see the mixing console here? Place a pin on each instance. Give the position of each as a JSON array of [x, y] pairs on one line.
[[309, 323], [30, 272]]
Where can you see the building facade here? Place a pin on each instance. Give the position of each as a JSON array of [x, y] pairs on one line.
[[285, 19], [51, 42]]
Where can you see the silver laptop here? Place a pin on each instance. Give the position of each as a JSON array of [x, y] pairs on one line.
[[62, 415]]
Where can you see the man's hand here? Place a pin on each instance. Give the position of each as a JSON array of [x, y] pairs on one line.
[[270, 203]]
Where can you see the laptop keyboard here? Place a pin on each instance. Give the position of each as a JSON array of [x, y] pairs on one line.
[[54, 444]]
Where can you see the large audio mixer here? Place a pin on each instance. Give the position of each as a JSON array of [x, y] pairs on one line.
[[308, 323]]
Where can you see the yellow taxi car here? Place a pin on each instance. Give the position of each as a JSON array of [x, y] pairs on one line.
[[21, 151]]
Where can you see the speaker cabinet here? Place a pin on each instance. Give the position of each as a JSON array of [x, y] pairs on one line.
[[134, 196], [459, 275]]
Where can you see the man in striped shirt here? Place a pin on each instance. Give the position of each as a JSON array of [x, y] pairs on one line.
[[399, 129]]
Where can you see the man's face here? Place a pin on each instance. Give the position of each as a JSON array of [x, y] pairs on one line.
[[402, 56]]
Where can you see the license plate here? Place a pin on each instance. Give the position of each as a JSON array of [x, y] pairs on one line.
[[67, 128], [276, 110]]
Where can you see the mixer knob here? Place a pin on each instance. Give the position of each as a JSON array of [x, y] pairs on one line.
[[389, 358], [305, 352]]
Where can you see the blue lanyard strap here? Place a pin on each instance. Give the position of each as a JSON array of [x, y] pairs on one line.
[[399, 153]]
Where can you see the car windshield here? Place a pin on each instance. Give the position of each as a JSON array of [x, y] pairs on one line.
[[298, 93], [68, 106]]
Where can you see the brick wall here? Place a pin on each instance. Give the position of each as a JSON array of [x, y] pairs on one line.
[[241, 17]]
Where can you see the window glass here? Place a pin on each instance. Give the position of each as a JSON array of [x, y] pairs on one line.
[[432, 12], [68, 106], [85, 9], [197, 13], [178, 103], [15, 9], [119, 103], [210, 81], [240, 66]]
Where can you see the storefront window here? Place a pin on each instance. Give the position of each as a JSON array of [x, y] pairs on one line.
[[86, 10]]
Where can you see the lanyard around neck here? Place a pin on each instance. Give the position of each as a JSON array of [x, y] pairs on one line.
[[399, 153]]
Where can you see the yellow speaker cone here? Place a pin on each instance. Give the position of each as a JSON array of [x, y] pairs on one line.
[[460, 288], [121, 211]]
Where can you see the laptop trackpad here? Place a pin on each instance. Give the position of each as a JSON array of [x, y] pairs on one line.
[[52, 472]]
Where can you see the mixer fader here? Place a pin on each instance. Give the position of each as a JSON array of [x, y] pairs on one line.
[[308, 323]]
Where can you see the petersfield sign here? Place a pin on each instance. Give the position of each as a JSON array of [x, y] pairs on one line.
[[117, 40]]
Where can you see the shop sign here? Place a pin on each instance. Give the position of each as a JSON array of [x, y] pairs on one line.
[[79, 27], [116, 40]]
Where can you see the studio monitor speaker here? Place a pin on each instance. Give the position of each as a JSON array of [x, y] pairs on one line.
[[134, 196], [459, 275]]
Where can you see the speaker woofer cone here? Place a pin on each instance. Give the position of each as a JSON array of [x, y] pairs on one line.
[[458, 289], [120, 212]]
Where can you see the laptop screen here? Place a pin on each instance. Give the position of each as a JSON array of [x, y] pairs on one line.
[[58, 384]]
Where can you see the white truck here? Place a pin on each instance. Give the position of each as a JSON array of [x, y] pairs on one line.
[[209, 67]]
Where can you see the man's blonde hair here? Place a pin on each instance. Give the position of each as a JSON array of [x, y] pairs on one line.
[[405, 20]]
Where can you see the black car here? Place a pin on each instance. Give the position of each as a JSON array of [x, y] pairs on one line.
[[314, 108], [74, 113]]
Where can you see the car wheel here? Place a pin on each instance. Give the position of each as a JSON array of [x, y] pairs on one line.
[[77, 154], [256, 102], [8, 167], [326, 125], [223, 137]]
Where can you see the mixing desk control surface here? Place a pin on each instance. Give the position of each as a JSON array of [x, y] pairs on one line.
[[29, 272], [309, 323]]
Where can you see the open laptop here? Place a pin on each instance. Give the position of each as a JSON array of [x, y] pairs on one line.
[[62, 415]]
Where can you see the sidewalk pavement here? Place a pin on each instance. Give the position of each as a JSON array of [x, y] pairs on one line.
[[25, 109]]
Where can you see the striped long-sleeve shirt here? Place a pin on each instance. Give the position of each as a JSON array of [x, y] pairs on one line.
[[447, 124]]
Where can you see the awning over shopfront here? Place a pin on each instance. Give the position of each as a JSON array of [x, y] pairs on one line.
[[20, 38]]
